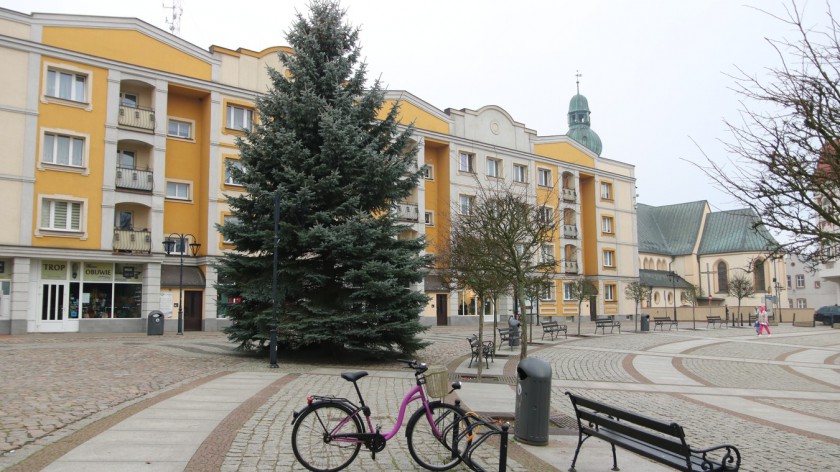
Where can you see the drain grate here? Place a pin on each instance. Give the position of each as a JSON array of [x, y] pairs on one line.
[[563, 421]]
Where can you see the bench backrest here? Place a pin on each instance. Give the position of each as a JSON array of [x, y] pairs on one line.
[[549, 324], [668, 436], [662, 318]]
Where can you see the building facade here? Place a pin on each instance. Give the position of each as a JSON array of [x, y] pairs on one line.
[[116, 137]]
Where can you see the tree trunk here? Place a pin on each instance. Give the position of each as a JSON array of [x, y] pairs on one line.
[[523, 328]]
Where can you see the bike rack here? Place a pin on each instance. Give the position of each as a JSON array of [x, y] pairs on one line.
[[479, 431]]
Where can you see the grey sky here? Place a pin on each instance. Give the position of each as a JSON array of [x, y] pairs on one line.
[[654, 71]]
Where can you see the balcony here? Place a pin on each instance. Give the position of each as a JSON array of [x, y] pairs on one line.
[[134, 179], [570, 231], [407, 212], [137, 117], [570, 267], [132, 241], [569, 195]]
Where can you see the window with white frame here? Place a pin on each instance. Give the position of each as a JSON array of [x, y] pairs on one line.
[[494, 167], [568, 293], [801, 303], [606, 191], [126, 159], [67, 85], [61, 215], [520, 173], [609, 258], [547, 214], [178, 245], [466, 162], [544, 178], [229, 165], [180, 129], [547, 253], [429, 218], [465, 203], [239, 118], [63, 150], [429, 172], [129, 99], [177, 190], [607, 224], [229, 220], [788, 283], [547, 292], [800, 281], [609, 292]]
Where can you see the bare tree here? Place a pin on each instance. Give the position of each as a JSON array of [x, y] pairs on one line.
[[637, 292], [581, 289], [785, 153], [740, 287], [691, 292], [505, 232]]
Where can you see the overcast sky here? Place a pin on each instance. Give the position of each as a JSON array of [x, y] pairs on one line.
[[654, 71]]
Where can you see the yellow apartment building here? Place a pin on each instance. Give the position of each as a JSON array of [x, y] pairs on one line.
[[116, 137]]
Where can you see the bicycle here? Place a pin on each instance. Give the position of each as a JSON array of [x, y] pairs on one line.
[[329, 431]]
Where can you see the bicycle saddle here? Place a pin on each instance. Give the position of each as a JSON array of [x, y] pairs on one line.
[[353, 376]]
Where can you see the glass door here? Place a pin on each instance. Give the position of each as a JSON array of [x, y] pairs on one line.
[[52, 301]]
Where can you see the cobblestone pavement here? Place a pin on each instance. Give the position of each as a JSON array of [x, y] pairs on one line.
[[56, 385]]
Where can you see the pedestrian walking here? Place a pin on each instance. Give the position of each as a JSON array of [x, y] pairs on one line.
[[763, 322]]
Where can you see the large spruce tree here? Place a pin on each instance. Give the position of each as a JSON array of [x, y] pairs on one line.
[[344, 273]]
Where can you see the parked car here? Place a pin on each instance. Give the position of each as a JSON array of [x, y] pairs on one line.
[[828, 315]]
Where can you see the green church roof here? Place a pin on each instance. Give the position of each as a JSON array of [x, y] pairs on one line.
[[672, 229], [735, 231], [661, 278], [579, 129]]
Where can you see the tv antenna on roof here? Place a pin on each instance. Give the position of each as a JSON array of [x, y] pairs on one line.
[[174, 21]]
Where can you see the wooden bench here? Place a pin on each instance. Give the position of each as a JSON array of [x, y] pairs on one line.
[[664, 320], [660, 441], [478, 351], [711, 320], [504, 337], [553, 328], [604, 321]]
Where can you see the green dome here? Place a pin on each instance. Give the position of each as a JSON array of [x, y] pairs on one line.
[[579, 129]]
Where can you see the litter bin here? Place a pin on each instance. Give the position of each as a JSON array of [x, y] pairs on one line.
[[644, 323], [155, 323], [533, 398], [513, 336]]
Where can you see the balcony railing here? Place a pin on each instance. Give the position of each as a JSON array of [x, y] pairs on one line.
[[129, 240], [570, 267], [407, 212], [569, 195], [570, 231], [134, 179], [137, 117]]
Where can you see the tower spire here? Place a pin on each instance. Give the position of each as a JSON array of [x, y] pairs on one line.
[[578, 75]]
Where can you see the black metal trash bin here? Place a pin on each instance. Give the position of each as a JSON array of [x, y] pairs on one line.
[[155, 323], [644, 323], [533, 401], [513, 336]]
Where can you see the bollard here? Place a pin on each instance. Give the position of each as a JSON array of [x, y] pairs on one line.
[[503, 448]]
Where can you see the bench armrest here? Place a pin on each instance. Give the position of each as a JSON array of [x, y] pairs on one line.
[[726, 455]]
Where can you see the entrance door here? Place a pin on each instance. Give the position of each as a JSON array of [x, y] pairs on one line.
[[53, 306], [440, 302], [593, 307], [192, 310]]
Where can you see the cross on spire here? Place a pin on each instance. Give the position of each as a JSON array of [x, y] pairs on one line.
[[577, 81]]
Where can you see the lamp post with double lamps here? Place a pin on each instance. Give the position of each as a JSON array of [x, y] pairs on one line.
[[180, 239]]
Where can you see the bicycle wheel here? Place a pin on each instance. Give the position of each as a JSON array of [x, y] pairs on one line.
[[312, 437], [430, 451]]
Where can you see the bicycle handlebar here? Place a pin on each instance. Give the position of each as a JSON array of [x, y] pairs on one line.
[[419, 367]]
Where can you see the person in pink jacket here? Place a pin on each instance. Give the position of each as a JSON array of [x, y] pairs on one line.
[[763, 322]]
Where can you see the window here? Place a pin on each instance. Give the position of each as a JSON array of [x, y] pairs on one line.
[[607, 224], [758, 276], [429, 218], [800, 281], [723, 280], [61, 215], [229, 165], [466, 203], [466, 162], [801, 303], [126, 159], [429, 172], [547, 253], [232, 221], [567, 291], [520, 173], [547, 293], [128, 100], [609, 292], [609, 258], [817, 284], [547, 215], [176, 246], [178, 190], [788, 283], [494, 167], [66, 85], [125, 220], [544, 177], [606, 191], [63, 150], [180, 129], [239, 118]]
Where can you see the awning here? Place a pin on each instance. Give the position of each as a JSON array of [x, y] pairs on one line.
[[170, 275]]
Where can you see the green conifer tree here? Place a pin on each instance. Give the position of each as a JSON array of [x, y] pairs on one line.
[[344, 273]]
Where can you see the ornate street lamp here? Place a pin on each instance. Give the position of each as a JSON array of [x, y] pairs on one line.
[[169, 245]]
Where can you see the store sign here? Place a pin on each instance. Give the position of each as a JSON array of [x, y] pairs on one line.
[[54, 270], [99, 272]]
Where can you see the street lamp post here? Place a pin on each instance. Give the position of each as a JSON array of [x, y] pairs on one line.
[[673, 276], [169, 245]]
